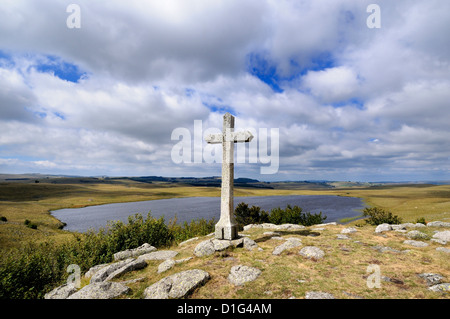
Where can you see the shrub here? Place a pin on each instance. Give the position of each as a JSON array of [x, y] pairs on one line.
[[421, 220], [294, 215], [291, 215], [33, 270], [29, 224], [249, 215], [377, 216]]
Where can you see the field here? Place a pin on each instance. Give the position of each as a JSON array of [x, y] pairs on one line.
[[20, 201]]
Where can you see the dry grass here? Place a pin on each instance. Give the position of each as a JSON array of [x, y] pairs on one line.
[[342, 272]]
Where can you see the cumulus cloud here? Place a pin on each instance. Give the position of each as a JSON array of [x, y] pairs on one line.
[[349, 102]]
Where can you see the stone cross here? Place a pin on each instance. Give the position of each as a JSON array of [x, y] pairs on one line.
[[227, 227]]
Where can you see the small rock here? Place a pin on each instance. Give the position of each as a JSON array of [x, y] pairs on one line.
[[318, 295], [100, 290], [166, 265], [104, 272], [159, 255], [415, 243], [349, 230], [205, 248], [178, 285], [131, 266], [443, 250], [241, 274], [179, 261], [383, 249], [312, 252], [438, 224], [271, 233], [340, 236], [442, 235], [220, 244], [382, 228], [431, 279], [249, 244], [91, 272], [444, 287], [415, 234], [145, 248], [61, 292], [289, 243], [326, 224]]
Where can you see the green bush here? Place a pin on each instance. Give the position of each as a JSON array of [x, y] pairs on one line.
[[294, 215], [249, 215], [377, 216], [421, 220], [33, 270], [29, 224], [291, 215]]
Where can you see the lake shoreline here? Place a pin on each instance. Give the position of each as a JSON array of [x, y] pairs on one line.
[[335, 207]]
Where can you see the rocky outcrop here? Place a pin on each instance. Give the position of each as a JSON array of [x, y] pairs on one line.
[[178, 285], [100, 290], [291, 242], [144, 249], [240, 274], [312, 252], [113, 270]]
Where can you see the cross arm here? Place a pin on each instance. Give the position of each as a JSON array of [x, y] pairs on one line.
[[237, 137]]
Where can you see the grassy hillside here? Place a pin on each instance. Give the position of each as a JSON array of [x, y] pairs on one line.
[[24, 200]]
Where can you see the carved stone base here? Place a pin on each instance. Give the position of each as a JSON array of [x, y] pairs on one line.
[[227, 232]]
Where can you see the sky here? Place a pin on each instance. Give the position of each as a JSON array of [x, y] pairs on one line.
[[98, 89]]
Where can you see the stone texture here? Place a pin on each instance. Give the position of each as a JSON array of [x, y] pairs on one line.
[[104, 272], [442, 235], [312, 252], [61, 292], [438, 224], [159, 255], [227, 227], [131, 266], [288, 244], [349, 230], [415, 243], [178, 285], [205, 248], [145, 248], [220, 245], [382, 228], [91, 272], [431, 279], [415, 234], [166, 265], [443, 250], [444, 287], [342, 237], [100, 290], [249, 244], [318, 295], [240, 274]]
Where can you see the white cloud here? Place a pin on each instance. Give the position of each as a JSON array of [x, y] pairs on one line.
[[332, 85], [353, 101]]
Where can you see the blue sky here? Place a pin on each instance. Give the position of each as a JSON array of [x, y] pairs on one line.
[[350, 102]]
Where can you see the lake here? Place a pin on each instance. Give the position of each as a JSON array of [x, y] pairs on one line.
[[186, 209]]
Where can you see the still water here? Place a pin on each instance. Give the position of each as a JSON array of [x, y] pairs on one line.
[[186, 209]]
